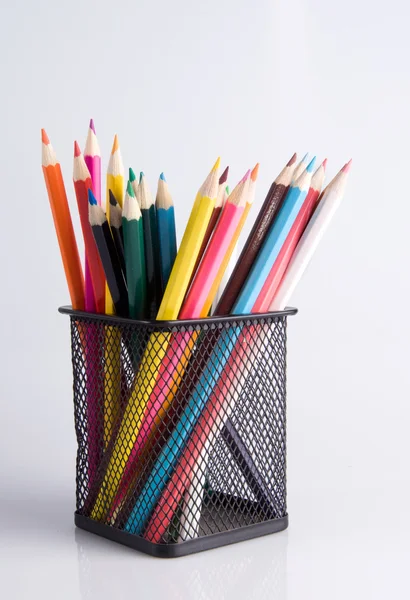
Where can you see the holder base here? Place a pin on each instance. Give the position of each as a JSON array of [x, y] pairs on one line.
[[183, 548]]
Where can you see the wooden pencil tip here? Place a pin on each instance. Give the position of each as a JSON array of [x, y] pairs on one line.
[[115, 145], [216, 165], [131, 175], [305, 158], [92, 125], [77, 149], [141, 175], [224, 176], [311, 165], [347, 166], [292, 160], [44, 137], [255, 171]]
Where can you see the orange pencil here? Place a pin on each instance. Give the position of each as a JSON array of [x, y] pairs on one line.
[[62, 223], [82, 183]]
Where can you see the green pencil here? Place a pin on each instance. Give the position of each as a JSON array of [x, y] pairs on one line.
[[134, 255], [152, 252]]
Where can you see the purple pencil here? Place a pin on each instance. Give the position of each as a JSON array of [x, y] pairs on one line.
[[92, 156]]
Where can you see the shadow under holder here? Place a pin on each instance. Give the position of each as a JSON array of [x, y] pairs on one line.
[[204, 446]]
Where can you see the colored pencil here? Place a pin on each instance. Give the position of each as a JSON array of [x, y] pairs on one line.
[[166, 229], [220, 199], [62, 223], [92, 157], [276, 273], [300, 167], [265, 218], [273, 241], [134, 255], [109, 258], [151, 244], [207, 427], [182, 344], [329, 202], [82, 183], [116, 229], [157, 346], [134, 182], [115, 183]]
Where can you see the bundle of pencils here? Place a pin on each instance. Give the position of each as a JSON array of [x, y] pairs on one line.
[[133, 269]]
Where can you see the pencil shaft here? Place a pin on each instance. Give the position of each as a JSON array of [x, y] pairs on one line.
[[154, 285], [167, 241], [112, 267], [65, 234], [135, 267], [264, 220]]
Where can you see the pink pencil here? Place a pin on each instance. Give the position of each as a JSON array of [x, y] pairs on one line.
[[181, 345], [92, 157]]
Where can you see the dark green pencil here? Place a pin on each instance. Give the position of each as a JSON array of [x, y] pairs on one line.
[[116, 228], [134, 255], [152, 251]]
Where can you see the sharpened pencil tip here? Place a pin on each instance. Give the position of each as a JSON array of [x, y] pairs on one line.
[[131, 175], [255, 171], [324, 163], [246, 176], [92, 126], [224, 176], [44, 137], [162, 176], [292, 160], [227, 189], [91, 198], [113, 200], [115, 144], [77, 149], [347, 166], [311, 165], [216, 165], [130, 190], [305, 158], [141, 175]]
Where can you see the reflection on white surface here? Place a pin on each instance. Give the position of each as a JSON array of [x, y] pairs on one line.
[[253, 570]]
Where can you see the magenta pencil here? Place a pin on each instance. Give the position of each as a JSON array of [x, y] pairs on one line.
[[92, 157]]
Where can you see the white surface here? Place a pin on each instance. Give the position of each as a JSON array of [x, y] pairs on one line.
[[181, 82]]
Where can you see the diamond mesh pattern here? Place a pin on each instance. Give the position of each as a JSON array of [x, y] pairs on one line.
[[181, 428]]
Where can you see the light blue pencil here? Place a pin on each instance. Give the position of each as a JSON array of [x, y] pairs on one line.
[[166, 229], [166, 462]]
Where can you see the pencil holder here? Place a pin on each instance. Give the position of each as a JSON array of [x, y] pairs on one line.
[[181, 429]]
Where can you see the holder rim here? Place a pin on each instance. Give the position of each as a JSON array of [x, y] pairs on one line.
[[287, 312]]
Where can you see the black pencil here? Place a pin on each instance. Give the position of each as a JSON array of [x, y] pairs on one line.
[[116, 229], [108, 254]]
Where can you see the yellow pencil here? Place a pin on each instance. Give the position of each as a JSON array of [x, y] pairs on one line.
[[112, 350], [157, 345]]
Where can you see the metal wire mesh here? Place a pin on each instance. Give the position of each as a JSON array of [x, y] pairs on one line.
[[181, 427]]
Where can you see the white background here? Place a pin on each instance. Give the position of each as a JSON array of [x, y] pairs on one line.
[[181, 82]]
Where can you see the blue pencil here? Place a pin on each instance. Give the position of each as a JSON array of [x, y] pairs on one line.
[[166, 462], [166, 229]]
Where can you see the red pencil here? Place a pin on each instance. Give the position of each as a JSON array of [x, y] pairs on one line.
[[82, 182]]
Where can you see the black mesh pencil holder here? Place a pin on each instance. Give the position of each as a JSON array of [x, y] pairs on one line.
[[181, 429]]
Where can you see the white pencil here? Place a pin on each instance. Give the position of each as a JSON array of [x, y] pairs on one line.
[[329, 202]]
